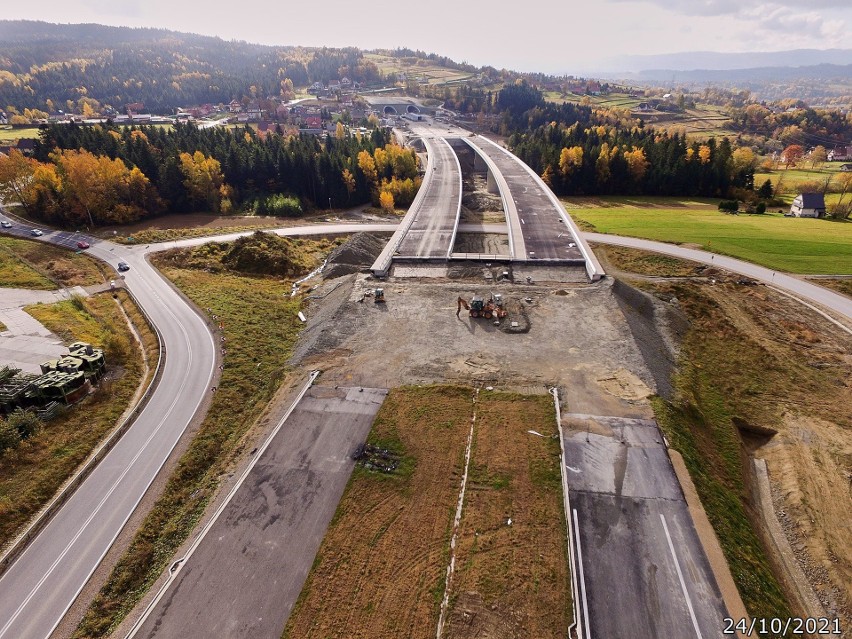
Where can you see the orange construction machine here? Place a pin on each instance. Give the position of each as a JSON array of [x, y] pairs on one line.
[[479, 307]]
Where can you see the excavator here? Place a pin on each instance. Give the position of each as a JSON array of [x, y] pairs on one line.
[[478, 307]]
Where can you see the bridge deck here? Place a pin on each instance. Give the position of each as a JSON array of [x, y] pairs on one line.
[[433, 231], [545, 234]]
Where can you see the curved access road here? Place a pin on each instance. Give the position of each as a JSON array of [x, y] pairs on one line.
[[42, 583], [800, 288], [39, 587]]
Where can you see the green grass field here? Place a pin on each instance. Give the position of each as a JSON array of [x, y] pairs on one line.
[[796, 245], [8, 134]]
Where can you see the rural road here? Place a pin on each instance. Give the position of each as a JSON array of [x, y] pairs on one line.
[[40, 586], [790, 283]]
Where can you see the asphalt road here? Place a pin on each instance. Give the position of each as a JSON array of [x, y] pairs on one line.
[[40, 586], [545, 234], [433, 231], [247, 572], [636, 549], [792, 284]]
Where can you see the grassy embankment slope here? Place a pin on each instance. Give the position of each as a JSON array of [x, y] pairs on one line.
[[40, 266], [759, 376]]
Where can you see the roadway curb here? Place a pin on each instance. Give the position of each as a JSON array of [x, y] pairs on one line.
[[576, 626], [709, 540], [799, 585], [19, 545]]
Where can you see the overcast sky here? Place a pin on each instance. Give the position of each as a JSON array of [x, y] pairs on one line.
[[554, 36]]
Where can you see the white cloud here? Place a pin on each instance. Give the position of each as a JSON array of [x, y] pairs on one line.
[[735, 7]]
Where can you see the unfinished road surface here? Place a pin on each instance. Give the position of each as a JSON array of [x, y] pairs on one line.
[[433, 230], [247, 572], [635, 544]]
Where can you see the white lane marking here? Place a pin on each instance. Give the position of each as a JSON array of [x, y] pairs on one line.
[[85, 525], [76, 537], [680, 576], [582, 578], [572, 469]]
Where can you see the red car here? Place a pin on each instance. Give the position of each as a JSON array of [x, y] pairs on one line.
[[82, 245]]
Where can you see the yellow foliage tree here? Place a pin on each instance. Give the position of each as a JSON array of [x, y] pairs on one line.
[[95, 189], [202, 178], [744, 159], [570, 159], [386, 201], [368, 167], [704, 153], [16, 173], [637, 164]]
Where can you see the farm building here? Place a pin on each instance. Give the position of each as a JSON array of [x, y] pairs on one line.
[[808, 205]]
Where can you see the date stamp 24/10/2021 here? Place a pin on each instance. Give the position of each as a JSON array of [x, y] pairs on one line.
[[779, 626]]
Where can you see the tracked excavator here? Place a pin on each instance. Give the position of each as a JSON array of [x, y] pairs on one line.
[[479, 307]]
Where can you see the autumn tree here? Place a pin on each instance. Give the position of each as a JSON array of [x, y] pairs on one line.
[[570, 159], [95, 189], [16, 174], [386, 201], [203, 179], [348, 182], [819, 156], [368, 167], [791, 155], [744, 159], [637, 164]]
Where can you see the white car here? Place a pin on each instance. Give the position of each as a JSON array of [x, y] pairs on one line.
[[36, 233], [6, 224]]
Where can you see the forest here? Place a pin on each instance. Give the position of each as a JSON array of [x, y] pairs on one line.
[[82, 175], [60, 67], [581, 151]]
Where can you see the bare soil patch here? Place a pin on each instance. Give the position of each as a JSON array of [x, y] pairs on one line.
[[485, 243]]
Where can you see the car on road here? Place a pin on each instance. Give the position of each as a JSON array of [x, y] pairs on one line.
[[123, 266], [6, 224], [83, 245], [36, 233]]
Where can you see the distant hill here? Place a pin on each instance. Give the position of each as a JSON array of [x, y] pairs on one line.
[[45, 66], [710, 60]]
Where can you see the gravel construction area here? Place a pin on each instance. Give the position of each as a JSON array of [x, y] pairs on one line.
[[569, 333]]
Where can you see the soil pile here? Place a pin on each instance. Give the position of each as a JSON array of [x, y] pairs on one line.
[[357, 254]]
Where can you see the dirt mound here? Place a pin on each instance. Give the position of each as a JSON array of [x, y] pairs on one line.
[[356, 254]]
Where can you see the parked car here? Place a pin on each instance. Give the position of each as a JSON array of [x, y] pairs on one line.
[[36, 233], [123, 266], [6, 224], [83, 245]]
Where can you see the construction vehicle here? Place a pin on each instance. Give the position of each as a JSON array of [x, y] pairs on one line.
[[379, 296], [479, 307]]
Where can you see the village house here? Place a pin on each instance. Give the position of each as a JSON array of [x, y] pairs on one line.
[[808, 205]]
